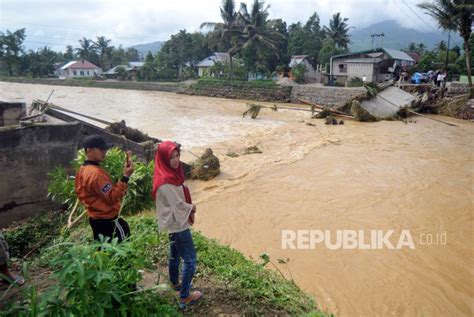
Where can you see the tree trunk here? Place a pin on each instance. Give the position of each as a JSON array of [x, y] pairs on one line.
[[467, 50], [231, 66]]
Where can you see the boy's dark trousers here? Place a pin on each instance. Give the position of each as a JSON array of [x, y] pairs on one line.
[[111, 228]]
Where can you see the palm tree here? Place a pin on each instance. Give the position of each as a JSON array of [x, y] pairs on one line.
[[228, 30], [454, 15], [87, 49], [337, 30], [255, 28], [104, 49], [421, 48]]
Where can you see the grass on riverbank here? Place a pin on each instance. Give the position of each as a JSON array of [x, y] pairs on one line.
[[81, 272]]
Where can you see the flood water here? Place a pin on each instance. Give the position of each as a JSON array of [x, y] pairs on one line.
[[415, 178]]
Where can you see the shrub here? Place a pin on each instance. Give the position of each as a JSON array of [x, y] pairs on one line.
[[298, 73], [138, 198], [122, 73], [98, 279], [355, 82]]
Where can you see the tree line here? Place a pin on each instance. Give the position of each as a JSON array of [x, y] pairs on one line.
[[453, 60], [15, 61], [247, 34], [259, 43]]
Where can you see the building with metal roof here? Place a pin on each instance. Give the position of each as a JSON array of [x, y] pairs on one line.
[[375, 65]]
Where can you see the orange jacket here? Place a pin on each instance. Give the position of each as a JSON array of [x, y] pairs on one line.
[[97, 193]]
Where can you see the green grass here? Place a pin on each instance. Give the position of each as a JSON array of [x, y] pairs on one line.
[[240, 84], [84, 271]]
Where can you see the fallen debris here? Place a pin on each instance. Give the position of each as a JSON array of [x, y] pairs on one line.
[[206, 167], [232, 154], [325, 111], [252, 150], [331, 120], [120, 128], [360, 114]]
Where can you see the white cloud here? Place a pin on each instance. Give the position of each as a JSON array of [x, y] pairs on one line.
[[131, 22]]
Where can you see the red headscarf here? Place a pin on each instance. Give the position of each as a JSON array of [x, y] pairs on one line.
[[164, 173]]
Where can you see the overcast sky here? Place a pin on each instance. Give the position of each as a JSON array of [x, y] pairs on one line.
[[57, 23]]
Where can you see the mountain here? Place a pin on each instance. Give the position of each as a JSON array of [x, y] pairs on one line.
[[153, 47], [397, 37]]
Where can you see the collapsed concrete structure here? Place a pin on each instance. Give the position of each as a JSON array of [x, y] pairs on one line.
[[30, 149], [27, 154]]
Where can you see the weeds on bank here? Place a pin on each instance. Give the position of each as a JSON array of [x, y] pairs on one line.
[[61, 187], [98, 278]]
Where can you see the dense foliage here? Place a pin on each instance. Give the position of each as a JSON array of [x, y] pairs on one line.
[[138, 197], [84, 271], [257, 44]]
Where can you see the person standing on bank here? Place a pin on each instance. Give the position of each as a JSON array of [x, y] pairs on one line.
[[175, 213], [96, 191]]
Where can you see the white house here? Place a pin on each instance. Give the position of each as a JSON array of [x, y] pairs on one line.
[[77, 69], [312, 73], [204, 65]]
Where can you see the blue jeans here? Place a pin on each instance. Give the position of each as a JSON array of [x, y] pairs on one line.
[[182, 247]]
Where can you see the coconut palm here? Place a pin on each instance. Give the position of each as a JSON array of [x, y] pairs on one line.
[[87, 51], [255, 29], [102, 45], [454, 15], [337, 30], [228, 30]]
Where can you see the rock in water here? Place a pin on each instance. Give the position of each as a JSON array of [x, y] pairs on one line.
[[206, 167], [331, 120]]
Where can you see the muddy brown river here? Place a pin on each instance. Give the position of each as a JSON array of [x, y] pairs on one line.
[[399, 196]]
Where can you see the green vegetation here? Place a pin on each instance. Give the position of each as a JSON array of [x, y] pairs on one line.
[[255, 43], [455, 15], [211, 82], [355, 82], [61, 187], [83, 271], [298, 72], [27, 237]]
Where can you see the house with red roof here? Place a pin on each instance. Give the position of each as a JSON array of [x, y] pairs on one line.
[[77, 69]]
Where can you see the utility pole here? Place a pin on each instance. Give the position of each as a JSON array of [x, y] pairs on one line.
[[373, 35], [382, 36]]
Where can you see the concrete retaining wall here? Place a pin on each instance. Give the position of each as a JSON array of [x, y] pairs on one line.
[[26, 156], [325, 96], [277, 93]]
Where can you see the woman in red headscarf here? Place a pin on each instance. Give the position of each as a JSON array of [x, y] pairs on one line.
[[175, 212]]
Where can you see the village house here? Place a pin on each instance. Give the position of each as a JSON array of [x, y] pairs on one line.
[[205, 65], [77, 69], [374, 65], [312, 74], [132, 68]]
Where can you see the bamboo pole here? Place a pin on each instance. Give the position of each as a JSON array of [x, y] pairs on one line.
[[334, 111], [417, 113], [289, 108], [425, 116]]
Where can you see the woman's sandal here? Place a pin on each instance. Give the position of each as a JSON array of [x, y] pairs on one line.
[[18, 281], [193, 298]]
